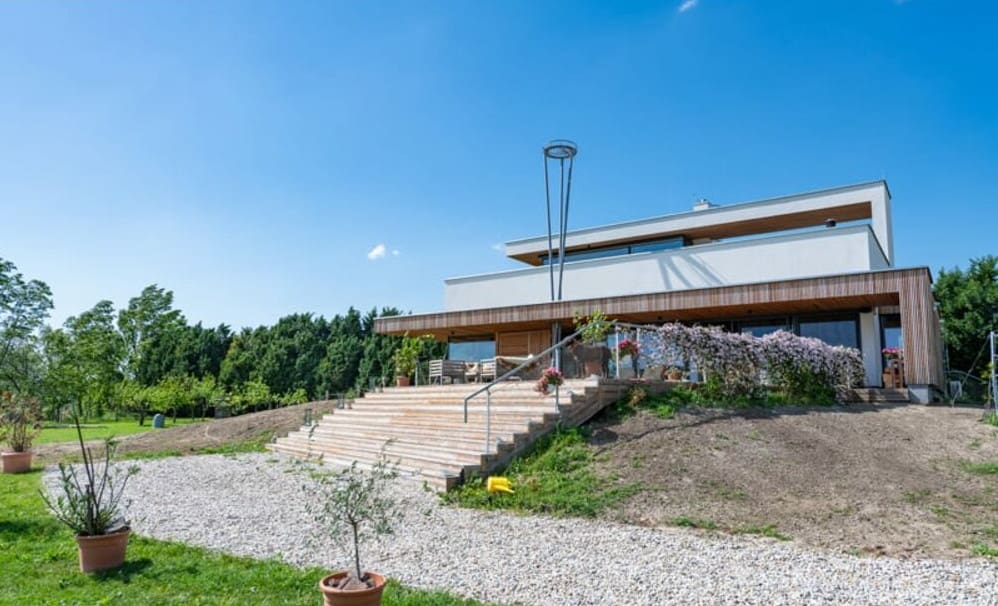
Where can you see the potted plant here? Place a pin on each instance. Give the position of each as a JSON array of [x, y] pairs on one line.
[[592, 349], [673, 373], [90, 505], [354, 505], [406, 357], [550, 377], [19, 424]]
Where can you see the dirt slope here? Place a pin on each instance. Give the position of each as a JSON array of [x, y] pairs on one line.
[[188, 438], [859, 479]]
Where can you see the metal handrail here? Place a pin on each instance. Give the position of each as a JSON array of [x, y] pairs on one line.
[[487, 389]]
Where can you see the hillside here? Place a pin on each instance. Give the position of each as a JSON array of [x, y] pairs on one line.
[[861, 479]]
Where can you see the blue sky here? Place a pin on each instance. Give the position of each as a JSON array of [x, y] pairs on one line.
[[249, 155]]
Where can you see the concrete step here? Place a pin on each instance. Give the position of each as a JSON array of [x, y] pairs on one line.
[[403, 456], [374, 439], [440, 480]]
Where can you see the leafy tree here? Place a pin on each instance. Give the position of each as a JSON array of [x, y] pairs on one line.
[[24, 306], [63, 385], [968, 305], [99, 352], [151, 329]]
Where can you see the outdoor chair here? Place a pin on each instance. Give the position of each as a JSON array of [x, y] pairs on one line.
[[451, 369]]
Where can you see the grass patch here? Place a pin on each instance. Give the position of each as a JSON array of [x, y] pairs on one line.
[[38, 558], [992, 419], [555, 477], [763, 531], [98, 430], [984, 550], [980, 468], [684, 522]]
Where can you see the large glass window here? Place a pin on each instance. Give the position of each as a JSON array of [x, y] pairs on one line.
[[666, 244], [837, 330], [471, 350], [761, 328], [616, 251]]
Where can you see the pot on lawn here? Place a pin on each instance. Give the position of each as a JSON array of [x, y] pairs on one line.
[[16, 462], [401, 381], [333, 596], [102, 551]]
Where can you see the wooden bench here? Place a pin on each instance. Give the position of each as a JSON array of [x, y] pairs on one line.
[[453, 369]]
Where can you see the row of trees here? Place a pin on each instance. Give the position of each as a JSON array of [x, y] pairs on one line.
[[968, 306], [147, 358]]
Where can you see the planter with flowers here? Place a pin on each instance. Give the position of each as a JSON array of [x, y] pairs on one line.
[[673, 373], [630, 347], [550, 378], [19, 424]]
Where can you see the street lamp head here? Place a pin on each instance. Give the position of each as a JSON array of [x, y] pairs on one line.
[[561, 149]]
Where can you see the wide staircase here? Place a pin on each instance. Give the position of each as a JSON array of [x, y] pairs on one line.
[[423, 429]]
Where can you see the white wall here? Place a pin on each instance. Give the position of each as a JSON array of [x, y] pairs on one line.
[[869, 338], [825, 252]]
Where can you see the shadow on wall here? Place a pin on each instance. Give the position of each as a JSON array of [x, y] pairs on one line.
[[675, 277]]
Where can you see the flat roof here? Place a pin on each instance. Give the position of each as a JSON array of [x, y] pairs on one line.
[[845, 203]]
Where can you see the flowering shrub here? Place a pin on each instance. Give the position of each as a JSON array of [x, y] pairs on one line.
[[550, 376], [739, 367]]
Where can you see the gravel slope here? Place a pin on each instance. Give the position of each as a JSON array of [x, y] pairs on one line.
[[252, 505]]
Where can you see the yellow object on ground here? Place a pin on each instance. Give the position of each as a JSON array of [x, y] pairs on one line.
[[496, 484]]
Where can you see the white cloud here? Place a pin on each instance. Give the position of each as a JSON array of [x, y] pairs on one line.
[[688, 5], [378, 252], [395, 252], [497, 247]]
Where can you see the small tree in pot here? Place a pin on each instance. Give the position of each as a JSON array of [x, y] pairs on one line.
[[355, 505], [90, 505], [19, 424], [592, 350]]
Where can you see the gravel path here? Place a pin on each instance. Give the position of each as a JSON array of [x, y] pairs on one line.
[[253, 505]]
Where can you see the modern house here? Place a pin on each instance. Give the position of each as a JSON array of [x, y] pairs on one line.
[[820, 264]]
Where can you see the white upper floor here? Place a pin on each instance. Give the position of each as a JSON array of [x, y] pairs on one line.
[[777, 239]]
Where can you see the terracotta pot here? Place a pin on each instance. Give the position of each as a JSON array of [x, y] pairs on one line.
[[357, 597], [102, 552], [16, 462], [402, 381], [675, 376]]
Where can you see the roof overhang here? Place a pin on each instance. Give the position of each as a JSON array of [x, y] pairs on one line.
[[848, 203], [807, 295]]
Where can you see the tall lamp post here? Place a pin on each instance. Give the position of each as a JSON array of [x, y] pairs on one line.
[[563, 152]]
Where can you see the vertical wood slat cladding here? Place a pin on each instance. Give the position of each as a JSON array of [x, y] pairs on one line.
[[522, 343], [910, 289]]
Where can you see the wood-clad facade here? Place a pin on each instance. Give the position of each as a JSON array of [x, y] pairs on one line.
[[910, 290]]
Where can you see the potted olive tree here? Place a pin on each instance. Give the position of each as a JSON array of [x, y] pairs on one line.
[[354, 505], [592, 349], [90, 505], [19, 424]]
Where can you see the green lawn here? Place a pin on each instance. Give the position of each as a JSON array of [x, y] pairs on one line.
[[98, 430], [38, 560], [555, 477]]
